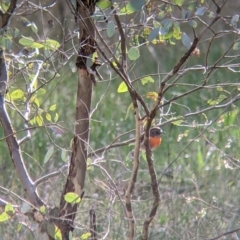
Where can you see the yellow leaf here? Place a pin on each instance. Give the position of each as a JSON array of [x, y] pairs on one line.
[[152, 95], [122, 88]]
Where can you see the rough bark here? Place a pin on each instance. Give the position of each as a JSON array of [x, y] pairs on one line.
[[77, 169]]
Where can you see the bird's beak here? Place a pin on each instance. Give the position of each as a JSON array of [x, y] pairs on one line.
[[163, 132]]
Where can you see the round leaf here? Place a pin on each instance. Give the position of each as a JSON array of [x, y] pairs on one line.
[[72, 197], [103, 4], [16, 94], [133, 53], [192, 23]]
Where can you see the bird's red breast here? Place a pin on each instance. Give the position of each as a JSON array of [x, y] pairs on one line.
[[154, 142]]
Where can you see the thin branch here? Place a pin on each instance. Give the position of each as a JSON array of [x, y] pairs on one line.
[[225, 234], [93, 226], [133, 178], [11, 140], [123, 41], [154, 183], [50, 175], [8, 14]]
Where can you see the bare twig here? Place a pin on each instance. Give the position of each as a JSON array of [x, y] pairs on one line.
[[133, 179], [4, 18], [93, 226], [50, 175], [11, 140], [225, 234]]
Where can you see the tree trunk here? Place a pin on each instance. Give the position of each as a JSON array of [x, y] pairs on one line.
[[78, 164]]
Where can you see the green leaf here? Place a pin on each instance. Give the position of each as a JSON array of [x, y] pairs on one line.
[[50, 43], [200, 11], [147, 80], [177, 34], [122, 87], [54, 231], [179, 2], [39, 120], [166, 25], [186, 40], [133, 53], [36, 101], [42, 209], [130, 107], [153, 34], [48, 154], [7, 44], [17, 94], [178, 121], [53, 107], [85, 236], [128, 9], [64, 155], [4, 217], [48, 117], [72, 197], [5, 5], [103, 4], [230, 117], [192, 23], [9, 209], [41, 91], [16, 33], [29, 42], [89, 164], [56, 117], [110, 29], [137, 4], [236, 45], [161, 14], [19, 227]]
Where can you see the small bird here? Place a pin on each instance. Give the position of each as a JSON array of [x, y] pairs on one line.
[[155, 138]]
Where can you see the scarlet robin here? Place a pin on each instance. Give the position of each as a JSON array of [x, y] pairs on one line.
[[155, 138]]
